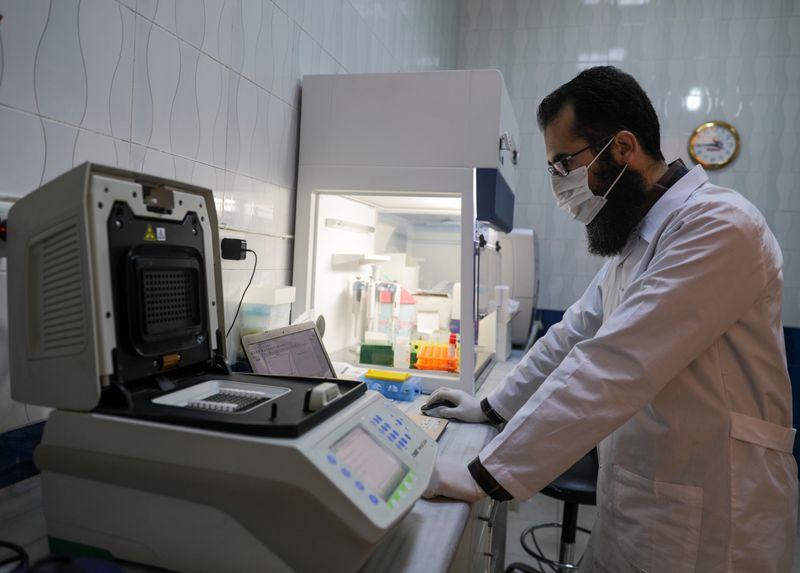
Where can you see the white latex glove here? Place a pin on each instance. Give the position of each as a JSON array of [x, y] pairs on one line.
[[452, 479], [467, 408]]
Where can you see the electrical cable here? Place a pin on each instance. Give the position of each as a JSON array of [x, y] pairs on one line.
[[238, 308], [21, 556]]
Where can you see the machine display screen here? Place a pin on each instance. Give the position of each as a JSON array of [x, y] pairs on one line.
[[377, 467]]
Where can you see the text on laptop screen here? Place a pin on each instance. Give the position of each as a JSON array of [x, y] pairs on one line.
[[295, 354]]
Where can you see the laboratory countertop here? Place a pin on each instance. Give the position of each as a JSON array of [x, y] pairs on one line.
[[427, 537]]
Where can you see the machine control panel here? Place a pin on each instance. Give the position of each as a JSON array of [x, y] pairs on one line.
[[381, 460]]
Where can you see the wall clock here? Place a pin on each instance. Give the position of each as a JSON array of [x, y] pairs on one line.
[[714, 144]]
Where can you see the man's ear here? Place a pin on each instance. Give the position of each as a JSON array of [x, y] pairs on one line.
[[625, 146]]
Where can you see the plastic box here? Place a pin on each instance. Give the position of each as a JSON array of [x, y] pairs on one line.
[[436, 356], [406, 391], [378, 354]]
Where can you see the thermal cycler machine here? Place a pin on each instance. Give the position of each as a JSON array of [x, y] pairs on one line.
[[156, 452]]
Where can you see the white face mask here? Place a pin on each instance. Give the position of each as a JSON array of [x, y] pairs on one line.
[[574, 196]]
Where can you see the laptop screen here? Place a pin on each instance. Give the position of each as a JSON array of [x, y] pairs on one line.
[[291, 351]]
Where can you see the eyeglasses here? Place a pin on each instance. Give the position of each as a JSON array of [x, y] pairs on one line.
[[561, 167]]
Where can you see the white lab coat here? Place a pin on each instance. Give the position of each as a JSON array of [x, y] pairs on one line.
[[673, 361]]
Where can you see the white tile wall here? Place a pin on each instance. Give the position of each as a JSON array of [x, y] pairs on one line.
[[742, 56], [202, 92]]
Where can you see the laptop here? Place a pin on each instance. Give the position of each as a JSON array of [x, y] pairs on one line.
[[290, 351], [298, 351]]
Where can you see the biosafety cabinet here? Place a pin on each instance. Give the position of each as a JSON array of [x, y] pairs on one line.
[[404, 182]]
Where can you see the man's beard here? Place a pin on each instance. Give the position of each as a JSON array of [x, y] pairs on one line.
[[624, 210]]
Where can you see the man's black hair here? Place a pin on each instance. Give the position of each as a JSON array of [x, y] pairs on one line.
[[606, 100]]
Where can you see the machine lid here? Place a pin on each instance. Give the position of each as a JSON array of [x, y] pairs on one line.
[[64, 352]]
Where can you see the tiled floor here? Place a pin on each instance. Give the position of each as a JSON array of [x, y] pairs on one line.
[[22, 520]]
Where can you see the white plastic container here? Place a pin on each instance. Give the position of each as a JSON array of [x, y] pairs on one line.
[[402, 352], [264, 308], [502, 302]]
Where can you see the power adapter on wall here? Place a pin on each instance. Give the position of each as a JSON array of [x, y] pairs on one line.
[[234, 249]]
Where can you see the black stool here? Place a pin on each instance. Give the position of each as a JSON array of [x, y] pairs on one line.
[[576, 486]]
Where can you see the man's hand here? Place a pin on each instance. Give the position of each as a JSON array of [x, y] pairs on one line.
[[452, 479], [456, 404]]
